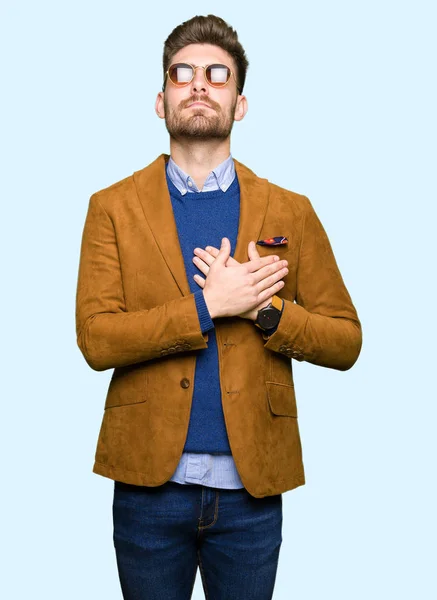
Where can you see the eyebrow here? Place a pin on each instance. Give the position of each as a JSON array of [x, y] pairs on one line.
[[214, 62]]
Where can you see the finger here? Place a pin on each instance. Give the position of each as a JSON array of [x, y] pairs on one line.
[[269, 275], [258, 263], [270, 291], [252, 251], [201, 265], [198, 279], [211, 250], [205, 256], [224, 253]]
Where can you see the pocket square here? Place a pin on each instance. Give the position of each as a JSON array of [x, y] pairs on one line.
[[273, 241]]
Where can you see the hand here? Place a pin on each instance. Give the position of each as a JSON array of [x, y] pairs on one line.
[[268, 270]]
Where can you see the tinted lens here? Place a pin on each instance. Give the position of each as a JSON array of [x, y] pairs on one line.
[[180, 73], [218, 75]]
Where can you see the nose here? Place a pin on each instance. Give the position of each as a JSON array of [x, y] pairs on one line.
[[199, 81]]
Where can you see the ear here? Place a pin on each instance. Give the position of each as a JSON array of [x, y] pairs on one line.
[[241, 108], [159, 105]]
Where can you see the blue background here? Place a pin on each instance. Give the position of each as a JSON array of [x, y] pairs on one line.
[[342, 108]]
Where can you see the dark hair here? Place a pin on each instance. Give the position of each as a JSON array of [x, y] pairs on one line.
[[207, 30]]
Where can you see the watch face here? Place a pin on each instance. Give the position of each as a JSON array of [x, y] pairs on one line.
[[268, 317]]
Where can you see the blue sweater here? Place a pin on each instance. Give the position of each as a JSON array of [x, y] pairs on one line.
[[204, 219]]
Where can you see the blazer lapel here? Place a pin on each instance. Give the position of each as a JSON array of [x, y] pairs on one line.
[[152, 189], [254, 199]]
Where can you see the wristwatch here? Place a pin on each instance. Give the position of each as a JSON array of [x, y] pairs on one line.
[[269, 316]]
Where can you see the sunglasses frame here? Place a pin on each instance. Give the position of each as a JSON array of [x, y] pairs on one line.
[[194, 67]]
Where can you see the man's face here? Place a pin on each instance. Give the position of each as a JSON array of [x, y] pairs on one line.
[[198, 122]]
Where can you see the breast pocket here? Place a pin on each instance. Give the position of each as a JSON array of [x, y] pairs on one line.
[[284, 253], [281, 250]]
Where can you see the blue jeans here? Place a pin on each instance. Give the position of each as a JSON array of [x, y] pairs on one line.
[[162, 533]]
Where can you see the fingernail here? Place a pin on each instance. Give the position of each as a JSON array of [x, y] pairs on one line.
[[276, 258]]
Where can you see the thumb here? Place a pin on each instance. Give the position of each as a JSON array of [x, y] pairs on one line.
[[253, 251], [224, 252]]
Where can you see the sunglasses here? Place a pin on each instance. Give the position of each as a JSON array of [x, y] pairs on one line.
[[216, 75]]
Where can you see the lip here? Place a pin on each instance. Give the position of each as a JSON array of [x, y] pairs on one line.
[[198, 104]]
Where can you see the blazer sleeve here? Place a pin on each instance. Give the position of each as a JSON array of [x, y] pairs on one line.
[[322, 327], [108, 335]]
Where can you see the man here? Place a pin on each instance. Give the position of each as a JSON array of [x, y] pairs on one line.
[[198, 283]]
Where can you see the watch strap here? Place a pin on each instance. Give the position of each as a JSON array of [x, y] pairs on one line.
[[277, 302]]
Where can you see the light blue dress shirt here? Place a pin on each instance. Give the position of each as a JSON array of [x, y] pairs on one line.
[[211, 470]]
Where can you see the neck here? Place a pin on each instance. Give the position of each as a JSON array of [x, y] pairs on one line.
[[199, 158]]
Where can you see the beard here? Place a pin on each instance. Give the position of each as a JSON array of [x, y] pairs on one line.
[[199, 123]]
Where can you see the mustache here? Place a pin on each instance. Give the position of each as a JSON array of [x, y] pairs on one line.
[[205, 100]]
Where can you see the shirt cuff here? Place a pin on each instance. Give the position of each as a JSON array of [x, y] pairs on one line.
[[206, 323]]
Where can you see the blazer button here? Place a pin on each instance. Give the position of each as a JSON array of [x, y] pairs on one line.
[[185, 383]]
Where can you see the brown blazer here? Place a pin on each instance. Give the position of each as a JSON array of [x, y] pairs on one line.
[[135, 314]]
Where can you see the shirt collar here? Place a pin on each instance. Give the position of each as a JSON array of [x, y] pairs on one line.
[[219, 178]]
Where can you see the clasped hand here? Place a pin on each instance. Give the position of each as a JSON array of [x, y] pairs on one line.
[[238, 289]]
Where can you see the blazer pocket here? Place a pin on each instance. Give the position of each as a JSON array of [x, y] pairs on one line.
[[282, 399], [281, 251], [128, 385]]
